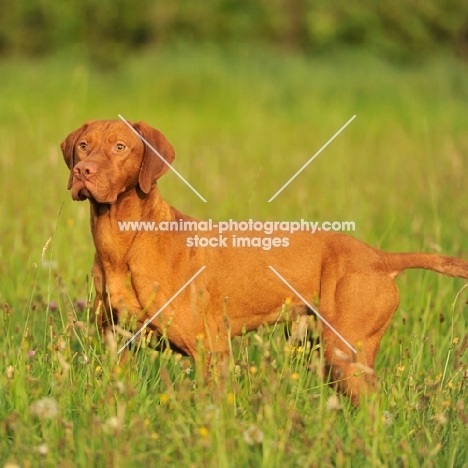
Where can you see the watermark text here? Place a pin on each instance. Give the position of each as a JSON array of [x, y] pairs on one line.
[[220, 227], [233, 233]]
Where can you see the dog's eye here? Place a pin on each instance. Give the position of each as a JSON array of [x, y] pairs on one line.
[[120, 147], [83, 146]]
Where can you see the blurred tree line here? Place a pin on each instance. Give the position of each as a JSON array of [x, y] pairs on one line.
[[108, 28]]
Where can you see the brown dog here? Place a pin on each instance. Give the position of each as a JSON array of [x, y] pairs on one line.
[[137, 272]]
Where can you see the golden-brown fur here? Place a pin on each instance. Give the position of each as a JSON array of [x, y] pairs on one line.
[[138, 272]]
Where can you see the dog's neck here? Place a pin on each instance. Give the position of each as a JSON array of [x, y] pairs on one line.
[[131, 206]]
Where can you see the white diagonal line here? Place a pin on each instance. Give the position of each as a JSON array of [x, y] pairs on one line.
[[163, 160], [161, 309], [314, 310], [312, 158]]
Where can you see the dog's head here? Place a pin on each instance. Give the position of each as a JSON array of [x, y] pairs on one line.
[[107, 158]]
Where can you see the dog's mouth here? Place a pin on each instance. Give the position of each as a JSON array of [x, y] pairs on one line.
[[83, 194], [81, 191]]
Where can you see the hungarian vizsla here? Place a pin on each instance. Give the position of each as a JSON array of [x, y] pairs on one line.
[[138, 272]]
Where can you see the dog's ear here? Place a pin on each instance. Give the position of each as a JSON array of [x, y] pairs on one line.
[[153, 167], [68, 149]]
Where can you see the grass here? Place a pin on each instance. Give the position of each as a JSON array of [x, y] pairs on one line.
[[242, 122]]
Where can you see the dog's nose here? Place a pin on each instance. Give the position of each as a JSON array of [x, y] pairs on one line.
[[84, 169]]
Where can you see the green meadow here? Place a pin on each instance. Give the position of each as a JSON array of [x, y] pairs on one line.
[[242, 121]]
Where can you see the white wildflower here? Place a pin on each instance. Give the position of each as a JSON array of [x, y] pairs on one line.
[[388, 418], [42, 449], [253, 435], [46, 408], [10, 372], [333, 403], [112, 425]]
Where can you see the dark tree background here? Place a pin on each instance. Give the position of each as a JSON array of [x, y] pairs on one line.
[[401, 29]]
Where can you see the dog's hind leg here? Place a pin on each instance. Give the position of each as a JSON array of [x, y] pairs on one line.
[[364, 306]]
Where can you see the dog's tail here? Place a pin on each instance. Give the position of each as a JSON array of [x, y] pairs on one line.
[[449, 266]]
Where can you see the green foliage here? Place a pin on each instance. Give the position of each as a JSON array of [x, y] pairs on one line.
[[106, 29], [242, 121]]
